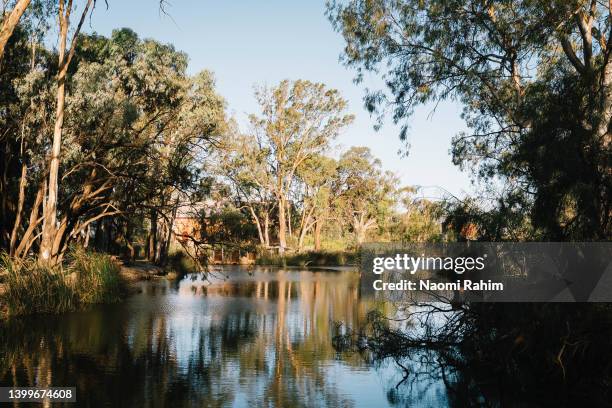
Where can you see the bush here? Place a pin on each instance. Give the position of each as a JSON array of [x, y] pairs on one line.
[[181, 264]]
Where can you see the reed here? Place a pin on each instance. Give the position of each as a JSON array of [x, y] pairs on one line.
[[31, 288], [97, 278]]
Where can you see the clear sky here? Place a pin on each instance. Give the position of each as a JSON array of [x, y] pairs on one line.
[[247, 42]]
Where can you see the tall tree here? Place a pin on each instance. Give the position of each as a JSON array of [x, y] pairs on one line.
[[365, 195], [136, 133], [65, 56], [297, 121], [544, 131], [243, 163], [312, 195]]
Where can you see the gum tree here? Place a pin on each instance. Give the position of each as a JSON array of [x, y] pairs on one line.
[[535, 81], [365, 195], [65, 55], [297, 121]]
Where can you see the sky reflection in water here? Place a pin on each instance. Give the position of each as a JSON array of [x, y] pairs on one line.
[[257, 338]]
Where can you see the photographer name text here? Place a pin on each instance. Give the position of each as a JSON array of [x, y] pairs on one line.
[[429, 285]]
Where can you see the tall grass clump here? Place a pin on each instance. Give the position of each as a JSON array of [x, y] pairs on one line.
[[31, 288], [97, 278]]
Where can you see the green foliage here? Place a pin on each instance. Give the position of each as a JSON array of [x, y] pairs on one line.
[[298, 121], [420, 222], [310, 258], [180, 264], [364, 195], [228, 225], [535, 83], [136, 130]]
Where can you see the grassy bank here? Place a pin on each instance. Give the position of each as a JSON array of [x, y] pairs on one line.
[[311, 258], [86, 278]]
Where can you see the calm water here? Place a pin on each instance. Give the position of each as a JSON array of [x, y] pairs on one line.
[[256, 338]]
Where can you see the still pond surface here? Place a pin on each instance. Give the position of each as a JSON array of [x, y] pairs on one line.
[[249, 337]]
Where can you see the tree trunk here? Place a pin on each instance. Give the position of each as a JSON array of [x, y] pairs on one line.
[[301, 240], [21, 200], [306, 224], [258, 225], [317, 234], [166, 247], [304, 228], [27, 239], [87, 235], [9, 24], [108, 234], [152, 244], [361, 225], [50, 215], [359, 234], [289, 222], [267, 230], [282, 226]]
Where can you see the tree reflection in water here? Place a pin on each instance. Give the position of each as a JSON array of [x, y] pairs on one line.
[[260, 340], [493, 354]]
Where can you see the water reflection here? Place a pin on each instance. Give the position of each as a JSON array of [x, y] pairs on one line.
[[249, 338]]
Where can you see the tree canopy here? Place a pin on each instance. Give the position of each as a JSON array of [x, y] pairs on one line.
[[535, 82]]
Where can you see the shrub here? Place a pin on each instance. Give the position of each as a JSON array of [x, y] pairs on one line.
[[181, 264]]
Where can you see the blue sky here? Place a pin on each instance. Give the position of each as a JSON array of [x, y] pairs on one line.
[[247, 42]]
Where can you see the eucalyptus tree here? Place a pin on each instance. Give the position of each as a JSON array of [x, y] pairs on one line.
[[312, 194], [26, 104], [364, 194], [137, 129], [421, 219], [242, 162], [161, 126], [50, 231], [535, 81], [297, 121]]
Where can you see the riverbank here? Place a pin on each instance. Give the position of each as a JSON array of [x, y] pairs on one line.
[[90, 278], [86, 278], [310, 259], [142, 270]]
